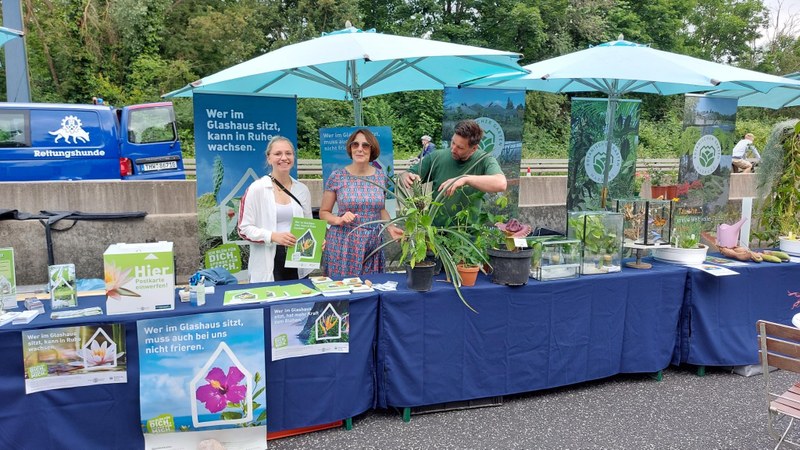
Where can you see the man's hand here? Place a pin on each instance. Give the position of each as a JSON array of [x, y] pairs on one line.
[[450, 186], [394, 231], [407, 178]]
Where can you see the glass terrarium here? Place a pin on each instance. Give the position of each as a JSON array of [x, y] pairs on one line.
[[646, 222], [555, 258], [601, 234]]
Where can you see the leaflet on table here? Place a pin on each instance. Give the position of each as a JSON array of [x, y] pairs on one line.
[[331, 288], [717, 271], [63, 286], [8, 279], [58, 358], [724, 261], [307, 251], [202, 376], [268, 294], [309, 328]]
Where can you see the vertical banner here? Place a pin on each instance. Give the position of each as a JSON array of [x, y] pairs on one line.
[[501, 114], [8, 279], [202, 376], [231, 137], [58, 358], [310, 328], [588, 152], [706, 146]]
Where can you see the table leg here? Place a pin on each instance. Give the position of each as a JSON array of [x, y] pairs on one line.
[[701, 371], [658, 376], [348, 423], [406, 414]]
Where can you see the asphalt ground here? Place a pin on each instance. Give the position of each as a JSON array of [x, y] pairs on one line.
[[720, 410]]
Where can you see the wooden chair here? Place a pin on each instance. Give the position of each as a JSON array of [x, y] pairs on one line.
[[780, 348]]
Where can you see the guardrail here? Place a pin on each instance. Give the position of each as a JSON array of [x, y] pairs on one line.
[[313, 167]]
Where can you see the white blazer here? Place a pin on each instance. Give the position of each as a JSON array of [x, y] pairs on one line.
[[257, 221]]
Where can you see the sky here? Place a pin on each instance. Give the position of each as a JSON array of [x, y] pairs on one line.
[[789, 9]]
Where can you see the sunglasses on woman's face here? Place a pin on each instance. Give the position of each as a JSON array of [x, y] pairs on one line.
[[364, 145]]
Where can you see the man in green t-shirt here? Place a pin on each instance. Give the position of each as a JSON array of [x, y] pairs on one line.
[[442, 168]]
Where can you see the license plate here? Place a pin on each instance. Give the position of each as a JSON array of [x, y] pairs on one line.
[[165, 165]]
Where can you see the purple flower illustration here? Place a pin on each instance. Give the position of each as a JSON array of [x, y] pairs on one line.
[[222, 389]]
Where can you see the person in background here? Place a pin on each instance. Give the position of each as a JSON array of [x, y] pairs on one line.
[[356, 191], [265, 215], [481, 173], [427, 147], [739, 158]]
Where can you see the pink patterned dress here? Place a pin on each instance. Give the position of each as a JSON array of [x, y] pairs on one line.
[[346, 246]]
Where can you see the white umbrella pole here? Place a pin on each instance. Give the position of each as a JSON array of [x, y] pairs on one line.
[[611, 111], [355, 92]]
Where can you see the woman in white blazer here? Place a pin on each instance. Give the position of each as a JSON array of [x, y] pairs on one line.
[[266, 212]]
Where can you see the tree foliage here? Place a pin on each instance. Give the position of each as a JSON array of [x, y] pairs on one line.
[[130, 51]]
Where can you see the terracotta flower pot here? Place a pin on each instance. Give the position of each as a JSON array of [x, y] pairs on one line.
[[664, 192], [468, 274]]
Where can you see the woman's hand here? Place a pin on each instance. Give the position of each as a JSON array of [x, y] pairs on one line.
[[395, 232], [346, 218], [283, 238]]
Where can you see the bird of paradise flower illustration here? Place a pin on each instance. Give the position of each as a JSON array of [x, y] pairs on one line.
[[116, 278], [327, 323]]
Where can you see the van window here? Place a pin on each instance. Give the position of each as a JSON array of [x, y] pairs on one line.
[[149, 125], [15, 129]]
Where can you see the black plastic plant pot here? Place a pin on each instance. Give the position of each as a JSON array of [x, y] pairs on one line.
[[511, 268], [420, 278], [437, 268]]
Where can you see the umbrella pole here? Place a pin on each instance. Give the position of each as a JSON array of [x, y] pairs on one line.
[[355, 92], [611, 111]]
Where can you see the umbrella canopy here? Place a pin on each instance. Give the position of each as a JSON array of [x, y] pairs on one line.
[[352, 64], [621, 67], [779, 97], [6, 34]]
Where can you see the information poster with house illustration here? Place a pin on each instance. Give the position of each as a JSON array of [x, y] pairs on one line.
[[203, 376], [309, 328], [706, 145], [589, 155], [501, 114], [231, 137], [63, 286], [67, 357], [8, 279], [307, 251]]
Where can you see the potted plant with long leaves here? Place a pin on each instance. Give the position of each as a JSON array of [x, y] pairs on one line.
[[779, 186], [511, 263]]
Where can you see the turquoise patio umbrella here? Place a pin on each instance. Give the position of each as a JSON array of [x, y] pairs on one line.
[[779, 97], [621, 67], [352, 64], [6, 34]]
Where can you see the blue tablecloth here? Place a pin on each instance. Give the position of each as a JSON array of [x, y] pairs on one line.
[[718, 327], [432, 349], [300, 391]]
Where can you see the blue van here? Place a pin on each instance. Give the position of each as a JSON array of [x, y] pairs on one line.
[[44, 141]]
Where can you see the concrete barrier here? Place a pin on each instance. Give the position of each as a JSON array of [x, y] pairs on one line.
[[172, 216]]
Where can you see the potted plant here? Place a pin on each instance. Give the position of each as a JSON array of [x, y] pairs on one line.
[[663, 183], [686, 247], [511, 264], [779, 221], [601, 234]]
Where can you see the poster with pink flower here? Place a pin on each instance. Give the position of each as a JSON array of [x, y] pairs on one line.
[[67, 357], [202, 376]]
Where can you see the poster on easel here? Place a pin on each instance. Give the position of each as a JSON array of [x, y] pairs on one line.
[[203, 376]]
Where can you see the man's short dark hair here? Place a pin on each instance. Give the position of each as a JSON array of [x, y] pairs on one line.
[[469, 130]]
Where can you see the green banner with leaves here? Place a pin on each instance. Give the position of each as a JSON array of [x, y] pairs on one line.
[[706, 145], [589, 155]]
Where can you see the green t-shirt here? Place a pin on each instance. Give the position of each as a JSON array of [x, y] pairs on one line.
[[440, 166]]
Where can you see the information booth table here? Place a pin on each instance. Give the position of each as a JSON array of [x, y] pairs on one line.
[[301, 392], [432, 349], [718, 327]]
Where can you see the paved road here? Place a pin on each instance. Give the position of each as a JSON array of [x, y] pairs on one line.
[[719, 411]]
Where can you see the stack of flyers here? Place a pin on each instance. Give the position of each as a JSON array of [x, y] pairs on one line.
[[331, 288]]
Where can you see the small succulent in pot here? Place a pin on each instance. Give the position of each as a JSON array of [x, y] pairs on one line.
[[513, 229]]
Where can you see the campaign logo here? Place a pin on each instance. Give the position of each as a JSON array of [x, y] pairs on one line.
[[706, 155], [595, 162], [493, 136]]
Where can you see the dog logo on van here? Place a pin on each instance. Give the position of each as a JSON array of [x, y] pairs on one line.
[[71, 128]]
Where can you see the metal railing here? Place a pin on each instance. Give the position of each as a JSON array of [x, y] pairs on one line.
[[313, 167]]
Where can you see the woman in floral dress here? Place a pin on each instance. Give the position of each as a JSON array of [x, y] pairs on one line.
[[356, 192]]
